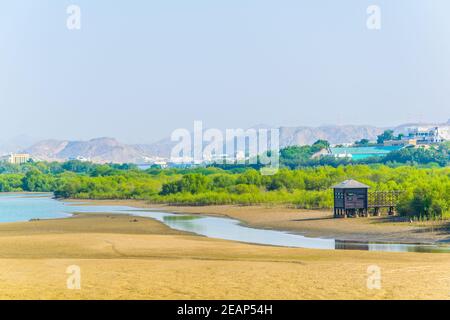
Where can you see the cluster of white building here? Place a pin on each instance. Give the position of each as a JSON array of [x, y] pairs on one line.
[[189, 161], [16, 158], [428, 134]]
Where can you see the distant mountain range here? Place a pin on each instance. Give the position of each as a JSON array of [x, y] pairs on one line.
[[96, 150], [103, 150], [334, 134]]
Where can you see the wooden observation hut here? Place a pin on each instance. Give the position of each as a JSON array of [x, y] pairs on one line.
[[351, 198]]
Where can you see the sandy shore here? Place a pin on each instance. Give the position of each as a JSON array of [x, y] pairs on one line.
[[313, 223], [123, 257]]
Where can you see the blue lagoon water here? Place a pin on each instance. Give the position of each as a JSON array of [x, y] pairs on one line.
[[25, 207]]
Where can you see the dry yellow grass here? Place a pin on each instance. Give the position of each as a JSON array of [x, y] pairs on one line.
[[125, 259]]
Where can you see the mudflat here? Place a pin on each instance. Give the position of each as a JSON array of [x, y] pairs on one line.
[[314, 223], [124, 257]]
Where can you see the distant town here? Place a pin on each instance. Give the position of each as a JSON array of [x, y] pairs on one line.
[[413, 137], [423, 137]]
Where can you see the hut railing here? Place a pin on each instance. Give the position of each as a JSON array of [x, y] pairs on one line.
[[383, 199]]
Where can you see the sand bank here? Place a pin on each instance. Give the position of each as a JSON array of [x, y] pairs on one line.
[[123, 257], [313, 223]]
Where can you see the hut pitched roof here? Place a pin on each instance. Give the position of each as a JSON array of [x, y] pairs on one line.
[[350, 184]]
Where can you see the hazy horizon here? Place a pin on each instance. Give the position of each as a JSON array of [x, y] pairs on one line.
[[138, 71], [28, 140]]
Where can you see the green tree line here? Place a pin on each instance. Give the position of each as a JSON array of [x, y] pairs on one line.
[[426, 190]]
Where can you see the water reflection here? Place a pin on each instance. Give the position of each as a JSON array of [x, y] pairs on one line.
[[390, 247], [20, 207], [229, 229], [186, 223]]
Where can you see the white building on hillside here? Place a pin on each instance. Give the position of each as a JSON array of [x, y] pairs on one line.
[[17, 158], [428, 134]]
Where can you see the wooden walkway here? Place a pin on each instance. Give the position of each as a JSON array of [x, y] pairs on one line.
[[378, 200]]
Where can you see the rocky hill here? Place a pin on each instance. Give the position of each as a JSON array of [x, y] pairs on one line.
[[110, 150], [104, 150], [334, 134], [99, 150]]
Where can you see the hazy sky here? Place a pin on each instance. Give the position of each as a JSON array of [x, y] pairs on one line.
[[139, 69]]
